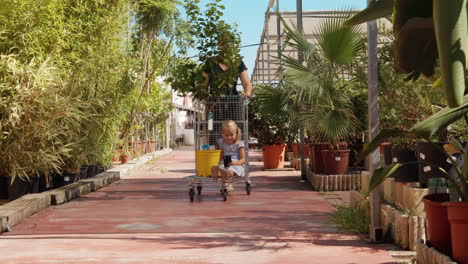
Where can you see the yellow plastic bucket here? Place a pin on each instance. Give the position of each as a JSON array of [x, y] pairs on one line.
[[205, 159]]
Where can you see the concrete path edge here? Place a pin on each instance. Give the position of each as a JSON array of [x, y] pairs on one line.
[[14, 212]]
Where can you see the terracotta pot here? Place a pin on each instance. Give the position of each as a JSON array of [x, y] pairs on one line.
[[152, 146], [273, 156], [312, 157], [458, 218], [317, 156], [438, 226], [335, 161], [124, 158], [297, 150], [140, 146], [116, 155], [383, 146]]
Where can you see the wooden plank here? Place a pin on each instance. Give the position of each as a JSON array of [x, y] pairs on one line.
[[16, 211], [413, 198], [389, 190], [280, 169]]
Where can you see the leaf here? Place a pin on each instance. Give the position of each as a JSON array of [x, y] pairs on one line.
[[383, 136], [338, 44], [375, 10], [458, 145], [380, 174], [450, 20], [464, 179], [430, 126]]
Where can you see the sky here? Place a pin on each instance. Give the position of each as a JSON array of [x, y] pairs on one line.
[[249, 15]]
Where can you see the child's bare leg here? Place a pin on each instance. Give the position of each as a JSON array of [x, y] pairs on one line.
[[215, 172], [226, 176], [226, 173]]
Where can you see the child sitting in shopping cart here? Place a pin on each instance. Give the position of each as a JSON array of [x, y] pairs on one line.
[[232, 157]]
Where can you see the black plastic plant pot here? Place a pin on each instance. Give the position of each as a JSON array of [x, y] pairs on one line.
[[57, 180], [407, 173], [93, 170], [427, 152], [42, 184], [21, 187], [101, 168], [4, 183], [387, 150], [70, 177], [84, 171]]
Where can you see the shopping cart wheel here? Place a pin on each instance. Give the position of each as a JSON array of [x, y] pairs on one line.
[[199, 188], [225, 194], [191, 194], [247, 188]]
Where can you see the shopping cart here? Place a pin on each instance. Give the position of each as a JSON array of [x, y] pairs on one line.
[[207, 126]]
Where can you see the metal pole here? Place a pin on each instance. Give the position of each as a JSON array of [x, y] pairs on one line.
[[267, 25], [263, 64], [278, 32], [376, 233], [300, 59]]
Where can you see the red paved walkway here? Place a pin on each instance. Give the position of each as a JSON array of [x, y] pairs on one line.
[[147, 218]]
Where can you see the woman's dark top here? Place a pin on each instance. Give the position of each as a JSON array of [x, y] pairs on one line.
[[218, 70]]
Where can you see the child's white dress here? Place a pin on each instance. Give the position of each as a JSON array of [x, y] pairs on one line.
[[233, 151]]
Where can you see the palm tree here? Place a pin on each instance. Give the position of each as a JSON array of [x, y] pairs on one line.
[[312, 94]]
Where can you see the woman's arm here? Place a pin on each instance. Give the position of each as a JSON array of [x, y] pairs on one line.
[[244, 77], [241, 160]]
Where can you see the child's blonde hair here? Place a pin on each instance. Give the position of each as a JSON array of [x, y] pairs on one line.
[[229, 124]]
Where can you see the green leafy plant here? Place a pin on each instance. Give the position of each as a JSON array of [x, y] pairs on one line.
[[35, 119], [217, 42], [352, 218], [449, 23], [82, 62], [460, 181], [316, 88], [417, 100], [263, 126]]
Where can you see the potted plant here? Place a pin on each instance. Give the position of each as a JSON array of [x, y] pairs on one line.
[[317, 93], [443, 24], [36, 131], [126, 153], [271, 133], [415, 103], [71, 175]]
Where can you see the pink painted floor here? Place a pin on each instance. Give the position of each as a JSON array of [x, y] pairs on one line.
[[147, 218]]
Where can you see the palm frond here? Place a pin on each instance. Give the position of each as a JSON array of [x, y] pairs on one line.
[[297, 39], [330, 125], [338, 44], [297, 73], [272, 102]]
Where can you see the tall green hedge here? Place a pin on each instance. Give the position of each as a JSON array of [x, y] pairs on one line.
[[67, 72]]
